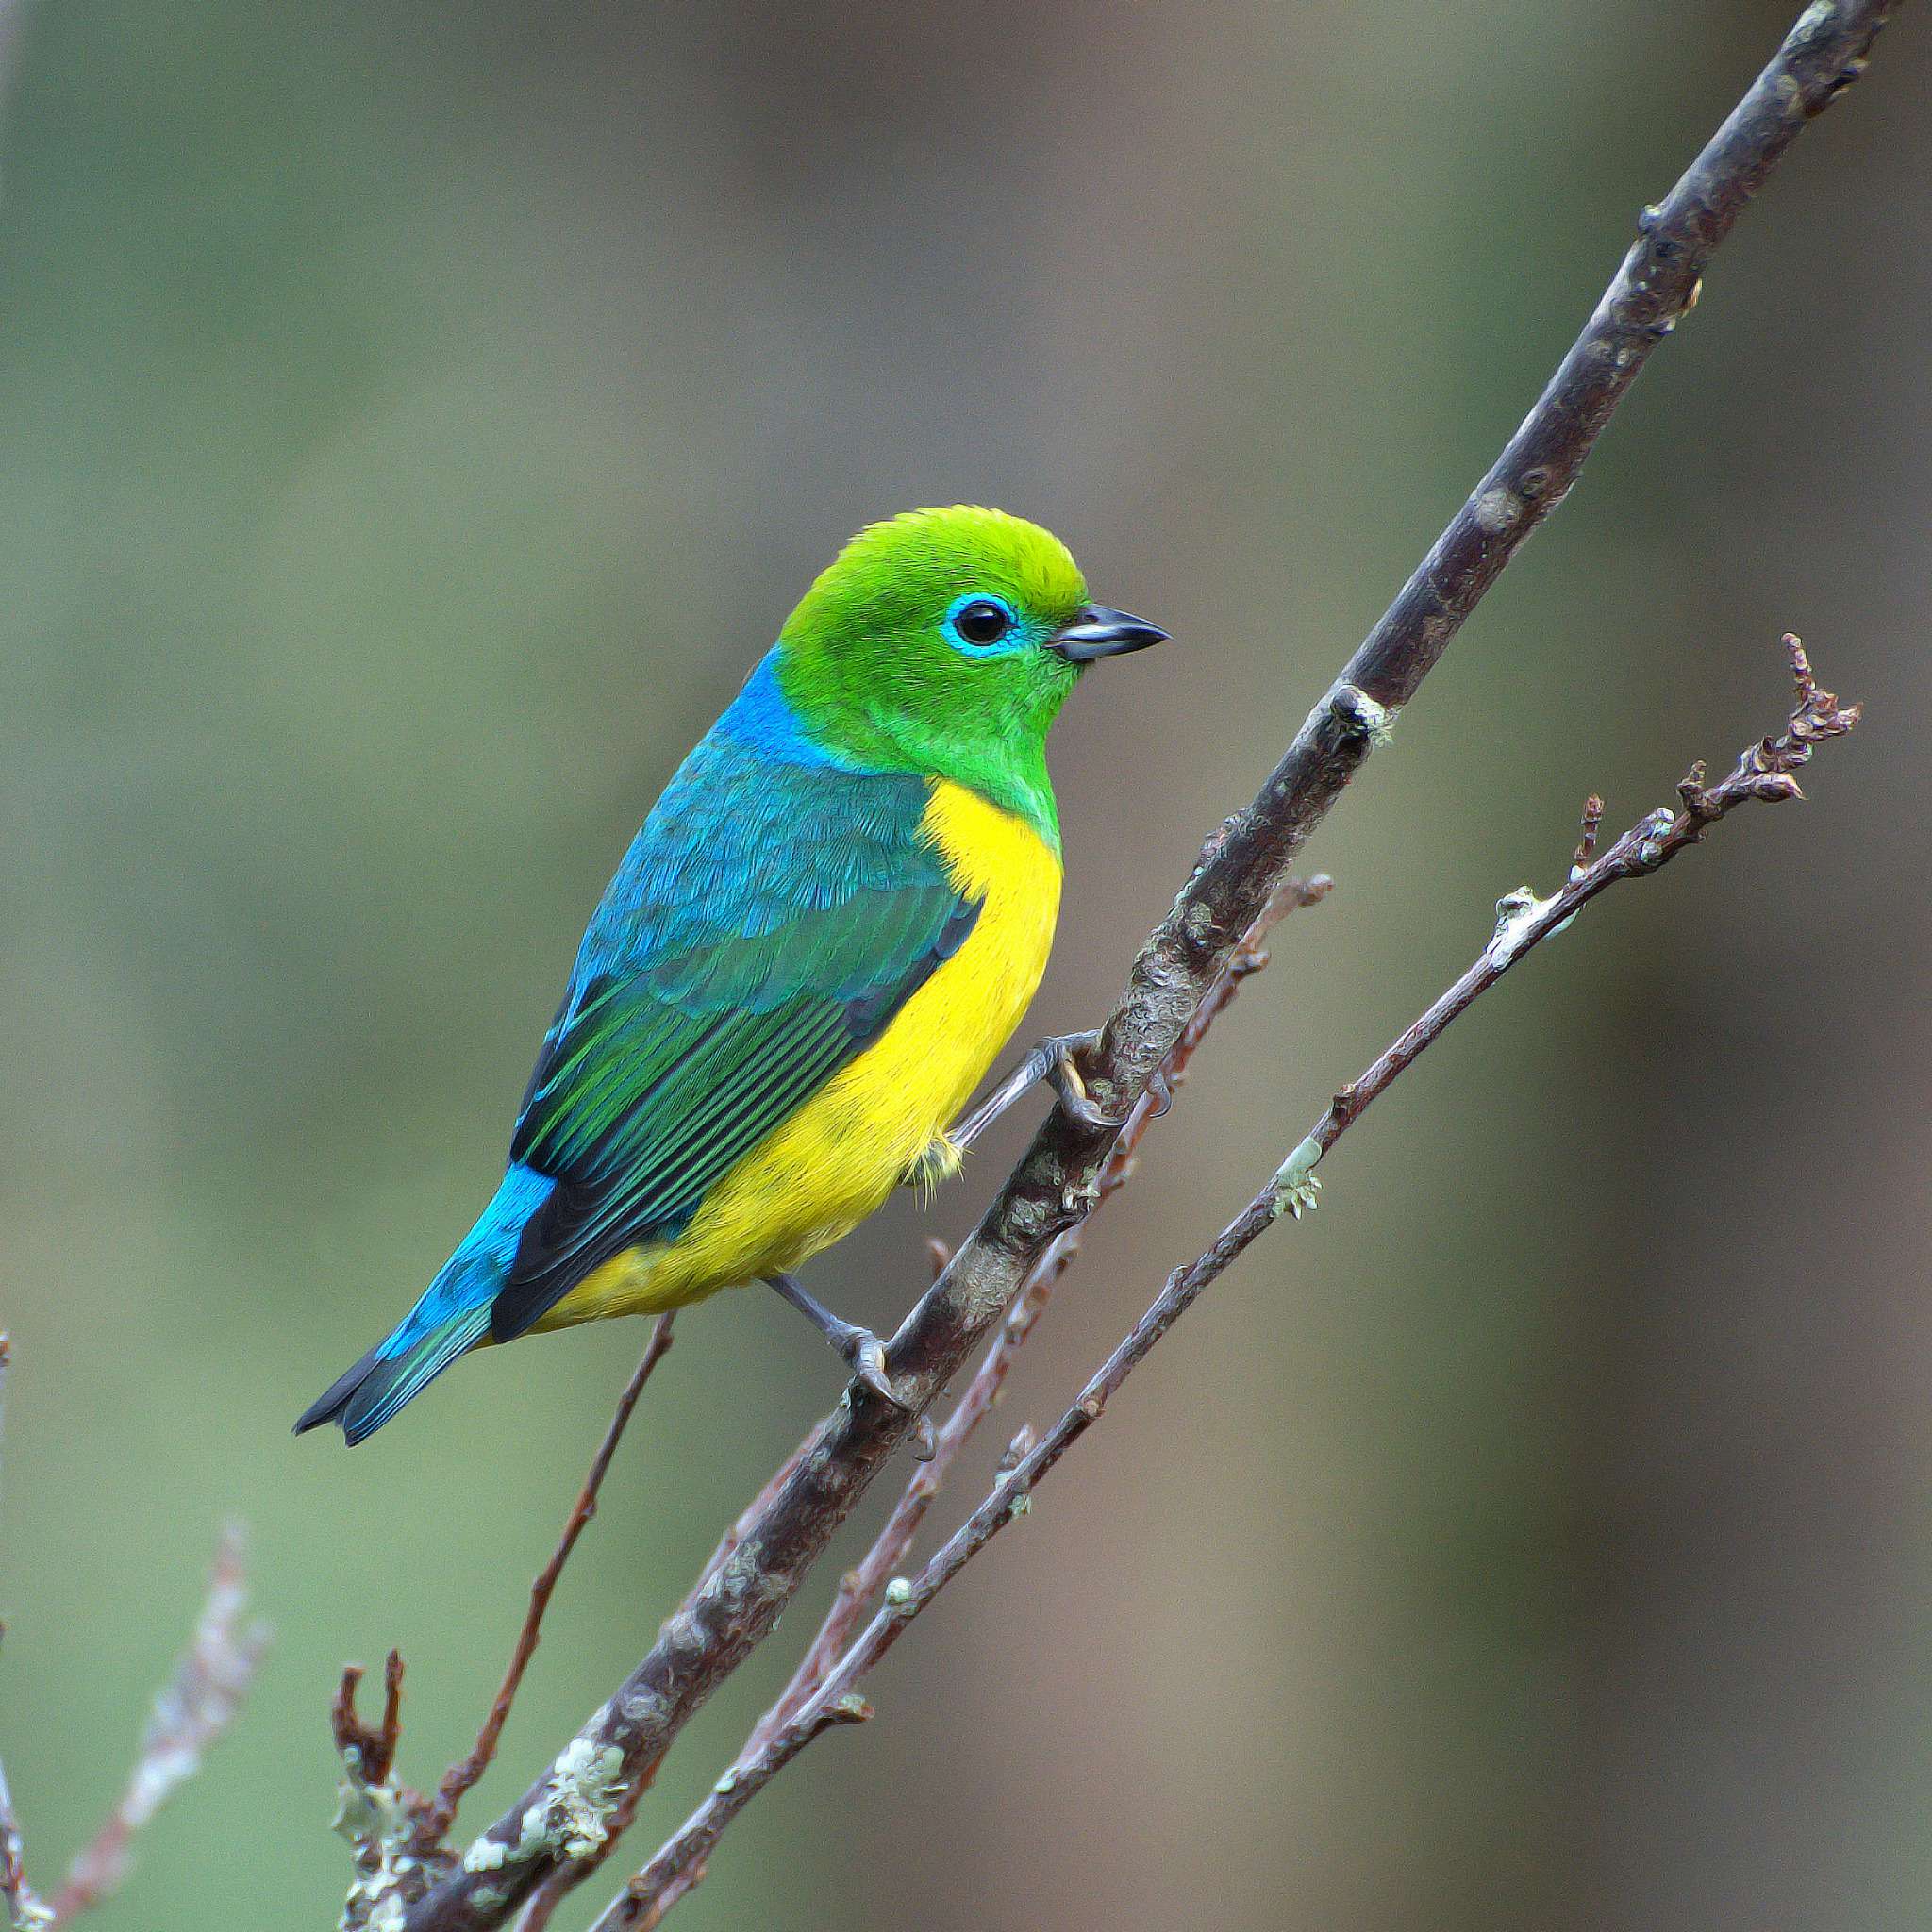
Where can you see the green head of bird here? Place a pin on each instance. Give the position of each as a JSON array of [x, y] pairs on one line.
[[944, 642]]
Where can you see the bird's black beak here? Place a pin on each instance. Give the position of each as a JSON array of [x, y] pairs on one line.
[[1098, 632]]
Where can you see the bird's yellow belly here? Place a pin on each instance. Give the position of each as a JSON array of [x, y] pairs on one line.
[[831, 1163]]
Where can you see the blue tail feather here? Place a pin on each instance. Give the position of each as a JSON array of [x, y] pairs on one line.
[[452, 1316]]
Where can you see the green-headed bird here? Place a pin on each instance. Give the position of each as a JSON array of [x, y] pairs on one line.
[[831, 921]]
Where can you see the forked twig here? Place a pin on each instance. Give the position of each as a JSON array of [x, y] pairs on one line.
[[861, 1584]]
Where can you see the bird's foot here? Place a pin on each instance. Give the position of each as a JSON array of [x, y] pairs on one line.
[[1059, 1066], [861, 1351], [865, 1354]]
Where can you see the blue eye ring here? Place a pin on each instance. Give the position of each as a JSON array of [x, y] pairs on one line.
[[979, 622]]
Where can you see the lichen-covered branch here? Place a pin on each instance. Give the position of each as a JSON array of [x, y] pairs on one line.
[[1057, 1182], [1762, 772]]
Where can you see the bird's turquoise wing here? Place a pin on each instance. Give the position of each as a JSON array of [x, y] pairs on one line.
[[766, 924]]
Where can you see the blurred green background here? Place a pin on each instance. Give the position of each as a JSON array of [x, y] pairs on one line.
[[413, 422]]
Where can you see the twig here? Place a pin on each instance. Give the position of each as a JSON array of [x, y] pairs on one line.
[[196, 1705], [1762, 772], [25, 1907], [1054, 1186], [369, 1752], [190, 1711], [460, 1776]]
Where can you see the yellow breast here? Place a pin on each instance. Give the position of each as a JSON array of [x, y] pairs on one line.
[[835, 1161]]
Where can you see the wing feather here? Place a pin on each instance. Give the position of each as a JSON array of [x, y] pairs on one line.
[[765, 925]]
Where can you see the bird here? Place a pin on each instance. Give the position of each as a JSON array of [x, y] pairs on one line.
[[829, 925]]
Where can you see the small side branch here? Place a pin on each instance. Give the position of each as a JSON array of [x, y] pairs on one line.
[[1762, 772], [859, 1586], [196, 1705]]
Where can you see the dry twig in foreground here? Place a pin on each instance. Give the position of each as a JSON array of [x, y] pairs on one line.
[[460, 1776], [195, 1706], [395, 1833]]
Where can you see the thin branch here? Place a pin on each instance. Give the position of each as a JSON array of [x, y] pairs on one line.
[[190, 1711], [460, 1776], [25, 1909], [1762, 772], [599, 1774]]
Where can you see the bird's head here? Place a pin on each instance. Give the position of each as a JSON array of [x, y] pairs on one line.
[[944, 642]]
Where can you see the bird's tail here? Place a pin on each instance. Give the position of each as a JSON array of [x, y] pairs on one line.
[[452, 1316]]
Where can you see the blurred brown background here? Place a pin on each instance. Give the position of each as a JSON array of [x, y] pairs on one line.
[[412, 424]]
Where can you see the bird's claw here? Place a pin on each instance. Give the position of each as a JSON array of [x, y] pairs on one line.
[[1053, 1060], [1061, 1071], [862, 1351], [866, 1355]]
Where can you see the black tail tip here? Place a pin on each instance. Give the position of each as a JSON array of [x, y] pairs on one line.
[[329, 1405]]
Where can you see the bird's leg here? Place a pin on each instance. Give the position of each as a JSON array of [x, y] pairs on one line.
[[1055, 1060], [859, 1348], [1023, 1076]]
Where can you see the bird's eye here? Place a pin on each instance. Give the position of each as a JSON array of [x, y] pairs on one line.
[[982, 622]]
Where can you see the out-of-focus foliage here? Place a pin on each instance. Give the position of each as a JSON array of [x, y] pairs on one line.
[[413, 422]]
